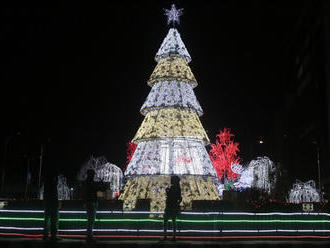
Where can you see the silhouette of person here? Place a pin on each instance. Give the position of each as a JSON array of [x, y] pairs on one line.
[[172, 209], [51, 204], [90, 197]]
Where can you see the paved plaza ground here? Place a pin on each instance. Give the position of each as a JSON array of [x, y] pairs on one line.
[[36, 242]]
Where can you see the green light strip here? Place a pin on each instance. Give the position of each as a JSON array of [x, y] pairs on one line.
[[253, 221], [17, 218], [178, 220]]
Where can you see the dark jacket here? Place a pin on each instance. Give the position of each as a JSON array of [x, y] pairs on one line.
[[90, 189], [173, 199], [50, 192]]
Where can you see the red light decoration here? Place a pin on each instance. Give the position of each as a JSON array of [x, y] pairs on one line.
[[131, 147], [224, 153]]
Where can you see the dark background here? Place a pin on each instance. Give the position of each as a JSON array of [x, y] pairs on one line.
[[74, 78]]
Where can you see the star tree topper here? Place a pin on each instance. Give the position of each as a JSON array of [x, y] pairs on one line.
[[173, 15]]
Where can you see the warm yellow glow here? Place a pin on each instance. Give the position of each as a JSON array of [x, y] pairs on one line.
[[172, 68], [171, 122], [154, 188]]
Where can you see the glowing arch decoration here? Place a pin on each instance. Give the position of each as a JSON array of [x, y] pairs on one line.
[[104, 172]]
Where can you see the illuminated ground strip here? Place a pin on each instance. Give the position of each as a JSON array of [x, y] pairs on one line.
[[178, 237], [161, 230], [178, 220], [150, 212]]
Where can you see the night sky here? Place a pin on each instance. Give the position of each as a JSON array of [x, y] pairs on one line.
[[74, 74]]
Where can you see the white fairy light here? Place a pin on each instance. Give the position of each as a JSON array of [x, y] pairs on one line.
[[303, 192], [173, 45], [173, 15], [237, 168], [180, 156], [246, 179], [264, 173], [259, 174], [104, 172], [63, 189], [166, 94]]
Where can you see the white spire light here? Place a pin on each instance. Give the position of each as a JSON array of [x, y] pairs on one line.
[[173, 15]]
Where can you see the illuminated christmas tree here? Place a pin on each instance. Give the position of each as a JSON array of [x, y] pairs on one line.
[[171, 139]]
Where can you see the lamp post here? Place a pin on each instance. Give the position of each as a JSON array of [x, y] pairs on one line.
[[40, 164], [318, 163]]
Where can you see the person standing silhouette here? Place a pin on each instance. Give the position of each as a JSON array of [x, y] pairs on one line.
[[51, 205], [172, 209], [90, 197]]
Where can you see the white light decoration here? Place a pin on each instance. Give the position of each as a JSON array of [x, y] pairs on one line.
[[263, 173], [178, 156], [112, 174], [220, 187], [259, 174], [165, 94], [173, 45], [173, 14], [104, 172], [92, 164], [304, 192], [246, 178], [63, 190], [237, 168]]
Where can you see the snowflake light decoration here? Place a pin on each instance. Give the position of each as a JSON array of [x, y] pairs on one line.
[[173, 15]]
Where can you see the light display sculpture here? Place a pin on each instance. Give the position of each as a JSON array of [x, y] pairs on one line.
[[304, 192], [104, 172], [224, 156], [259, 174], [171, 139]]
